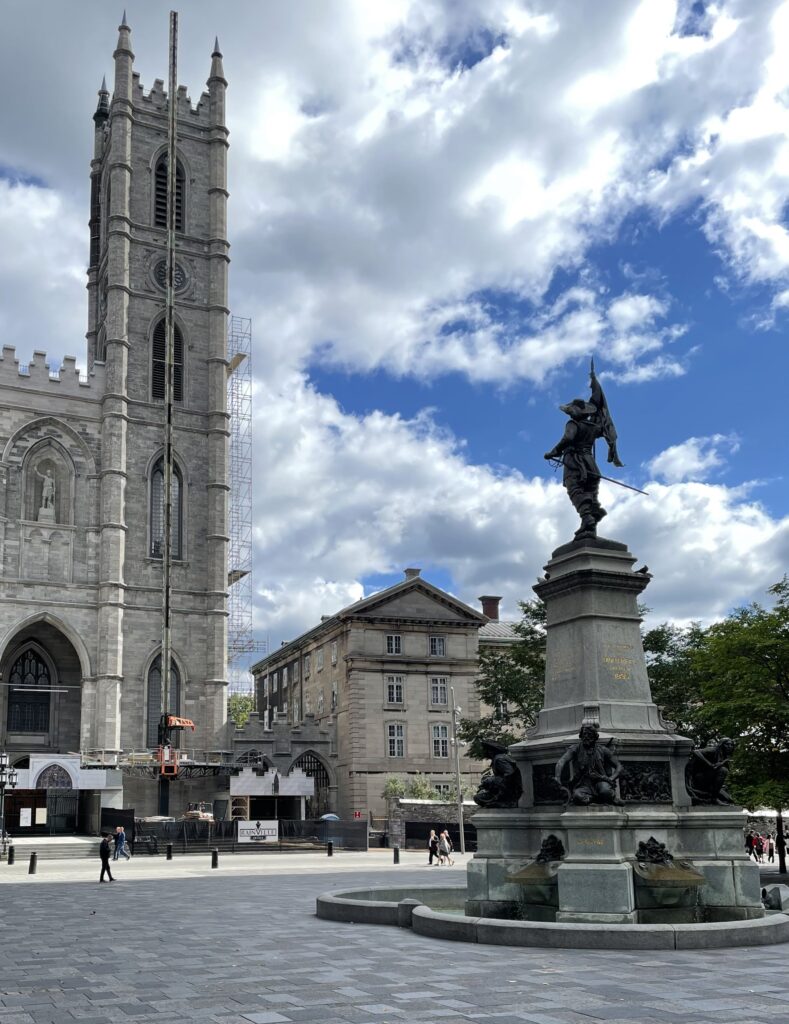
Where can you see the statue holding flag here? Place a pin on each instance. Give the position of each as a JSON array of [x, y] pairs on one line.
[[588, 422]]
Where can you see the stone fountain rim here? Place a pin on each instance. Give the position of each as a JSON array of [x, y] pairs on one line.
[[351, 906]]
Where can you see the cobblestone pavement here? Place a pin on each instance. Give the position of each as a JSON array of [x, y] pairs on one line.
[[247, 949]]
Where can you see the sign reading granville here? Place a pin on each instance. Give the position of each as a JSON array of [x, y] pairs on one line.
[[258, 831]]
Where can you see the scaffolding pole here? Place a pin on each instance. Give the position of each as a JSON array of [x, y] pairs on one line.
[[166, 657], [241, 644]]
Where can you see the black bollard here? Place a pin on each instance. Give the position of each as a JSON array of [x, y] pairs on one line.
[[330, 849], [215, 858], [396, 855], [11, 855], [33, 864], [169, 851]]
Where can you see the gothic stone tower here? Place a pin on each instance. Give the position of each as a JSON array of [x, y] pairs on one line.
[[82, 574]]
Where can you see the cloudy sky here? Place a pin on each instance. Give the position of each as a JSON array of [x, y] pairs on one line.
[[439, 211]]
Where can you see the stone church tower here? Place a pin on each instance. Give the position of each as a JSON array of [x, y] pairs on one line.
[[81, 475]]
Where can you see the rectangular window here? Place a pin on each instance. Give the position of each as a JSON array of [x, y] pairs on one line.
[[393, 643], [396, 734], [296, 711], [285, 676], [265, 686], [440, 735], [319, 659], [333, 696], [267, 719], [334, 652], [295, 671], [443, 788], [438, 646], [275, 682], [306, 666], [307, 703], [438, 689], [320, 701], [394, 689]]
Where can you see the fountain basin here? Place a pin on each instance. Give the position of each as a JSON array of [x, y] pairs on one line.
[[414, 907]]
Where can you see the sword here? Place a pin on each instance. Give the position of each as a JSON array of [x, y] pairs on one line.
[[610, 479]]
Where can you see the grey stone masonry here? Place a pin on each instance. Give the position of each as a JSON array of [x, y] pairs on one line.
[[89, 570]]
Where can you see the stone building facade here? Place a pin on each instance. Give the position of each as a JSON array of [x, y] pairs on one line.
[[379, 674], [81, 507]]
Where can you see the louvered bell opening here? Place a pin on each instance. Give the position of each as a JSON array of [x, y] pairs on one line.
[[159, 359], [160, 196]]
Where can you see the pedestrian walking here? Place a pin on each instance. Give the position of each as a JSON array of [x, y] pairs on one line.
[[104, 853], [432, 846], [121, 846], [749, 843], [771, 848], [445, 848]]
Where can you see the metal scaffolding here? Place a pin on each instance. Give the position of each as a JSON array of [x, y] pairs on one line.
[[241, 644]]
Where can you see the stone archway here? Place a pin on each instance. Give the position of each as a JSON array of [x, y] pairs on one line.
[[41, 705], [314, 767]]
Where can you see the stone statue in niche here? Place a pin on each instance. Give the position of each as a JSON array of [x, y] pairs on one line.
[[593, 768], [46, 511], [706, 772], [501, 786]]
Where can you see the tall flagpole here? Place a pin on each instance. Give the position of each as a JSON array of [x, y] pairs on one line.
[[164, 793]]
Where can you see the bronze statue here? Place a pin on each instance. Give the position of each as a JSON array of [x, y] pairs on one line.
[[706, 771], [594, 770], [653, 852], [501, 785], [588, 422], [551, 848]]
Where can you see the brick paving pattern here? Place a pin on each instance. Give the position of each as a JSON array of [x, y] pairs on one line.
[[248, 950]]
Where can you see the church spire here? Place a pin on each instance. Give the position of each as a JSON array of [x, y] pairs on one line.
[[103, 106], [217, 70]]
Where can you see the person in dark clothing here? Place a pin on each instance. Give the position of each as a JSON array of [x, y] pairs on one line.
[[432, 846], [104, 853]]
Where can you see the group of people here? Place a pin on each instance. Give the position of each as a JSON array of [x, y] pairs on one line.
[[761, 846], [440, 847], [113, 844]]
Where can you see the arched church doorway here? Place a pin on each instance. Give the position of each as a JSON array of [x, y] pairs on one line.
[[40, 719], [314, 768]]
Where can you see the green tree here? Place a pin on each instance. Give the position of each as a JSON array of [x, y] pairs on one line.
[[419, 787], [744, 670], [239, 708], [674, 678], [510, 684], [394, 788]]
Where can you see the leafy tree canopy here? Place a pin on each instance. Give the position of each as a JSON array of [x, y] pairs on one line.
[[510, 684], [239, 708]]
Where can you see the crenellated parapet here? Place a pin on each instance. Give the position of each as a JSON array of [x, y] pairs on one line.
[[38, 375], [156, 100]]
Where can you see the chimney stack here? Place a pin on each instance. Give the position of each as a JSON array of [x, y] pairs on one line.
[[490, 606], [411, 574]]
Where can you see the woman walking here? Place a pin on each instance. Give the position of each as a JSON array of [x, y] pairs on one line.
[[432, 845], [445, 848]]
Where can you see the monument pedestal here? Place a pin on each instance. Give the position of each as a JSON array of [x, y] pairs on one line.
[[595, 673]]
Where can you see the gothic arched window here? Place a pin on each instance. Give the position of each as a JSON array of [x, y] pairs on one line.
[[157, 512], [160, 194], [155, 698], [159, 355], [54, 776], [29, 694]]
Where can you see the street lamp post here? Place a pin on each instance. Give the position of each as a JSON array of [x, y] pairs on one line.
[[8, 777], [459, 788]]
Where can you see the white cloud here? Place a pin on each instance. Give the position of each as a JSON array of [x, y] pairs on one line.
[[343, 497], [693, 459]]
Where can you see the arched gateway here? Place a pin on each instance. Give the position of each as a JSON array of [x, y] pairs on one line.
[[42, 704]]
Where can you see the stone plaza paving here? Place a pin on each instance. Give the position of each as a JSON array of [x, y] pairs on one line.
[[178, 942]]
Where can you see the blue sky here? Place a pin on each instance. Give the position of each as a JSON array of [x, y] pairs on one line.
[[438, 212]]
